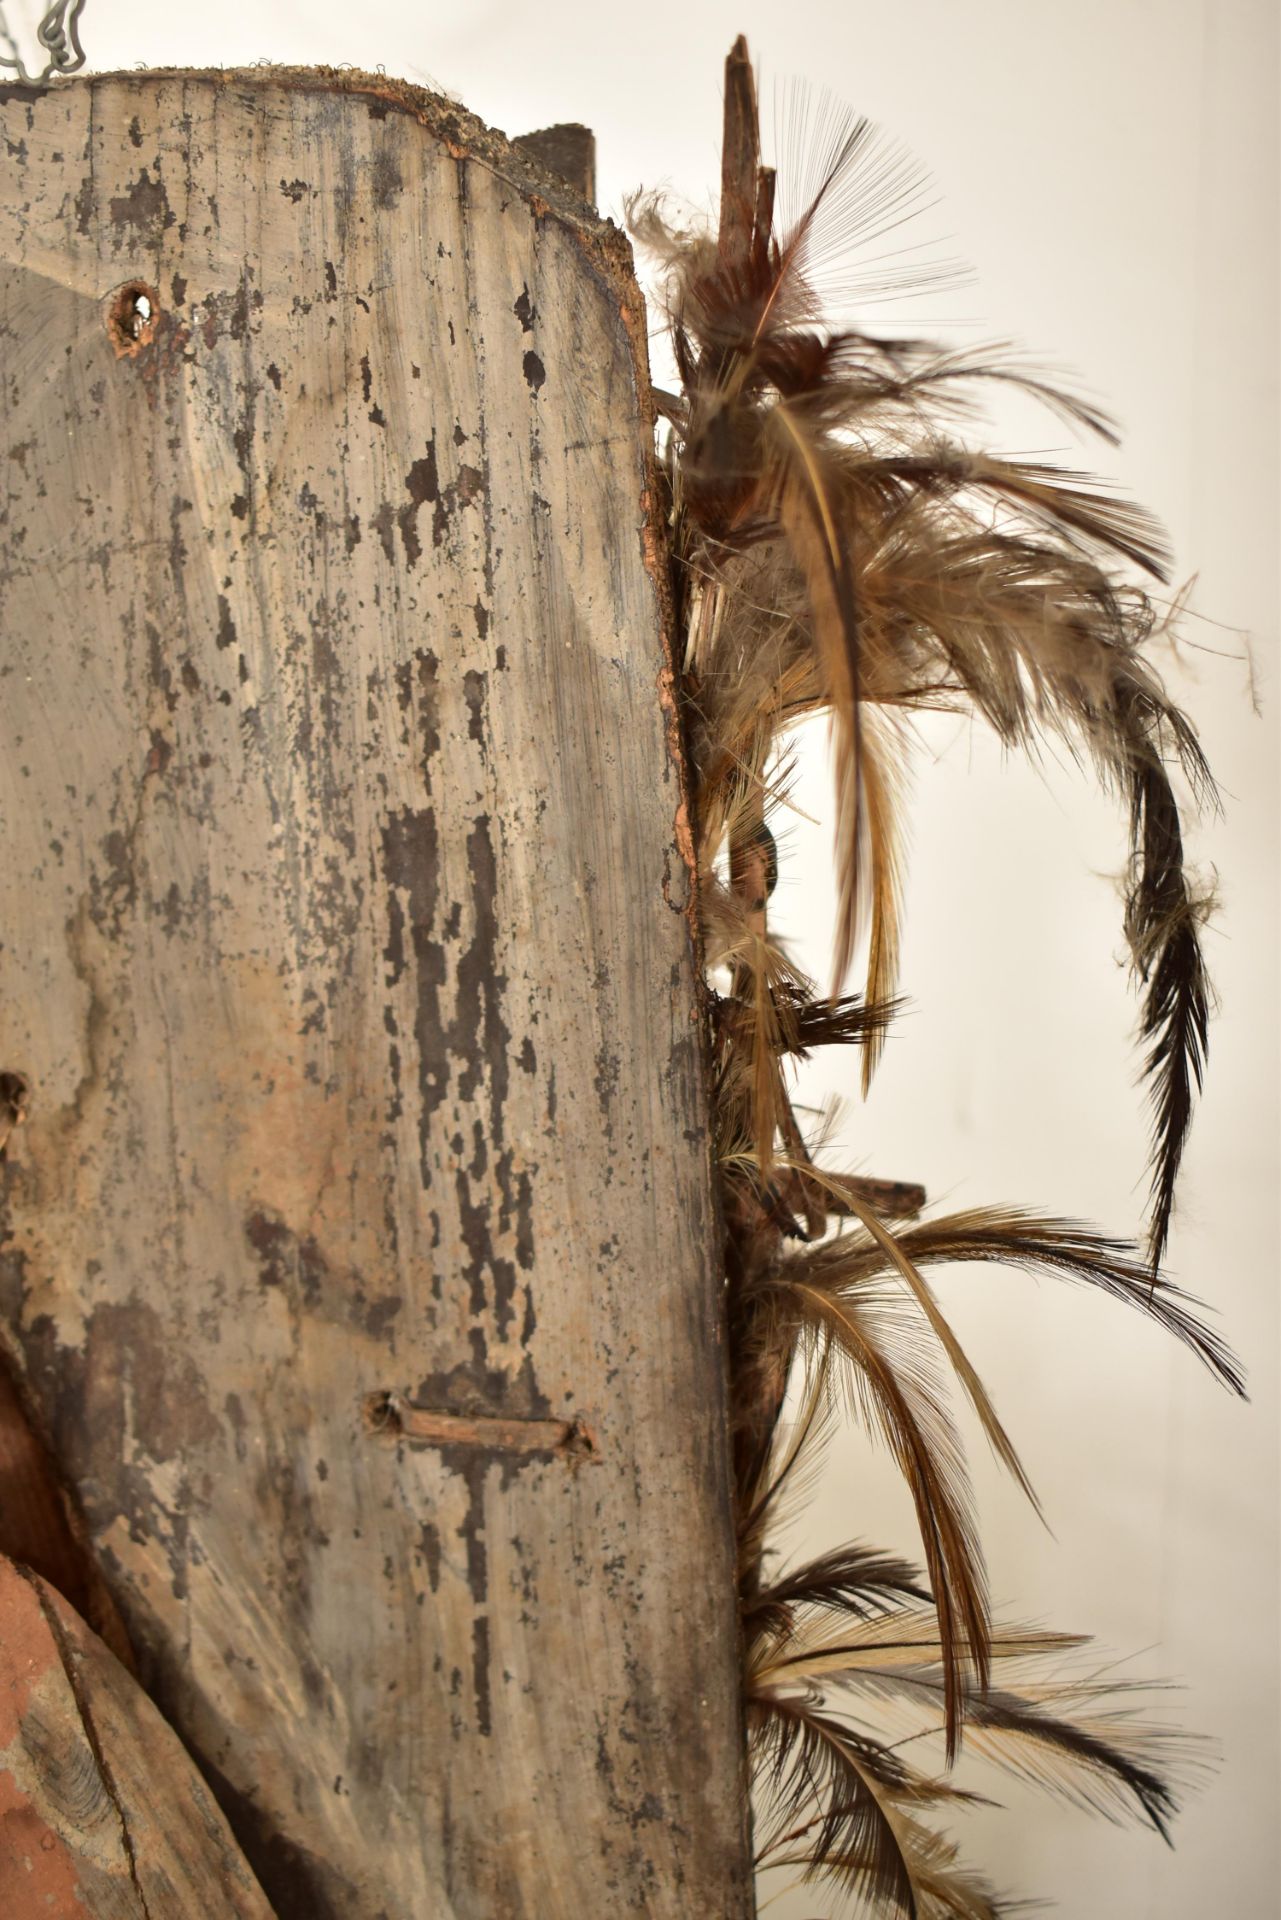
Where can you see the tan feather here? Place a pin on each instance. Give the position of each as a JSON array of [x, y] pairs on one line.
[[832, 1267], [895, 1391]]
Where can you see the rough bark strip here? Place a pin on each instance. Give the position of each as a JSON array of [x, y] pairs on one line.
[[346, 962]]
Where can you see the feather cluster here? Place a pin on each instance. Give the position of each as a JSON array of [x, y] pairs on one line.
[[838, 550]]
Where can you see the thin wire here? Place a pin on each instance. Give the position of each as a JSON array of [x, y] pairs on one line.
[[56, 34]]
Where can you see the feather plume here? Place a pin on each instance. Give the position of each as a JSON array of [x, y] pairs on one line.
[[858, 1794], [839, 549], [1065, 1249], [853, 1580], [828, 1266], [861, 1622], [857, 1623], [1076, 1738], [914, 570], [883, 862], [889, 1373]]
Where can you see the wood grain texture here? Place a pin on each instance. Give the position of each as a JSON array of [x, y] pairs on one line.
[[345, 945], [102, 1814]]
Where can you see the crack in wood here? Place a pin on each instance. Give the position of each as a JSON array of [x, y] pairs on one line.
[[390, 1415], [80, 1693]]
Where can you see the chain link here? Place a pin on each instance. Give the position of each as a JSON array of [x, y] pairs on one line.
[[56, 34]]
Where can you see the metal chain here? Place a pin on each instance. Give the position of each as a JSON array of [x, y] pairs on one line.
[[56, 34]]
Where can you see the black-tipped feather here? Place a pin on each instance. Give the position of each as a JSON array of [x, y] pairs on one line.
[[855, 1580], [1100, 1759], [1045, 1245], [1163, 923], [842, 1805], [839, 1022]]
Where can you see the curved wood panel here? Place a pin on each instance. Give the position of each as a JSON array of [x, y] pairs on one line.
[[346, 952]]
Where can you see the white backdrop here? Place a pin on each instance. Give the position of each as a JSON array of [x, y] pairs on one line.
[[1110, 172]]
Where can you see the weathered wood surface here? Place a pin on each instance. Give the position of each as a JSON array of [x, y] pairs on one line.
[[344, 942], [102, 1814]]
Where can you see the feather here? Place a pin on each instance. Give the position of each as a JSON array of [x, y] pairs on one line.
[[849, 1580], [1057, 1736], [1075, 1738], [898, 379], [891, 1650], [830, 1268], [1068, 1250], [1050, 496], [838, 1022], [1163, 921], [809, 514], [862, 1832], [888, 1370], [1099, 1762], [885, 874]]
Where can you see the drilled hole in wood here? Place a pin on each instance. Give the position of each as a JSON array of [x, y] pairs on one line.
[[132, 314]]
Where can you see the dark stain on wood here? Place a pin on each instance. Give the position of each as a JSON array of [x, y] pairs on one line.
[[142, 212]]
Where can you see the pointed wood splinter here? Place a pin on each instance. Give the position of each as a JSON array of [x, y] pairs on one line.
[[391, 1414]]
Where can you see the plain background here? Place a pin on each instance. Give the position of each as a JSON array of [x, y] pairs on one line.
[[1109, 172]]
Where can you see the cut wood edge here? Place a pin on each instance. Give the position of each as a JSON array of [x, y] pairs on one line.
[[101, 1809]]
